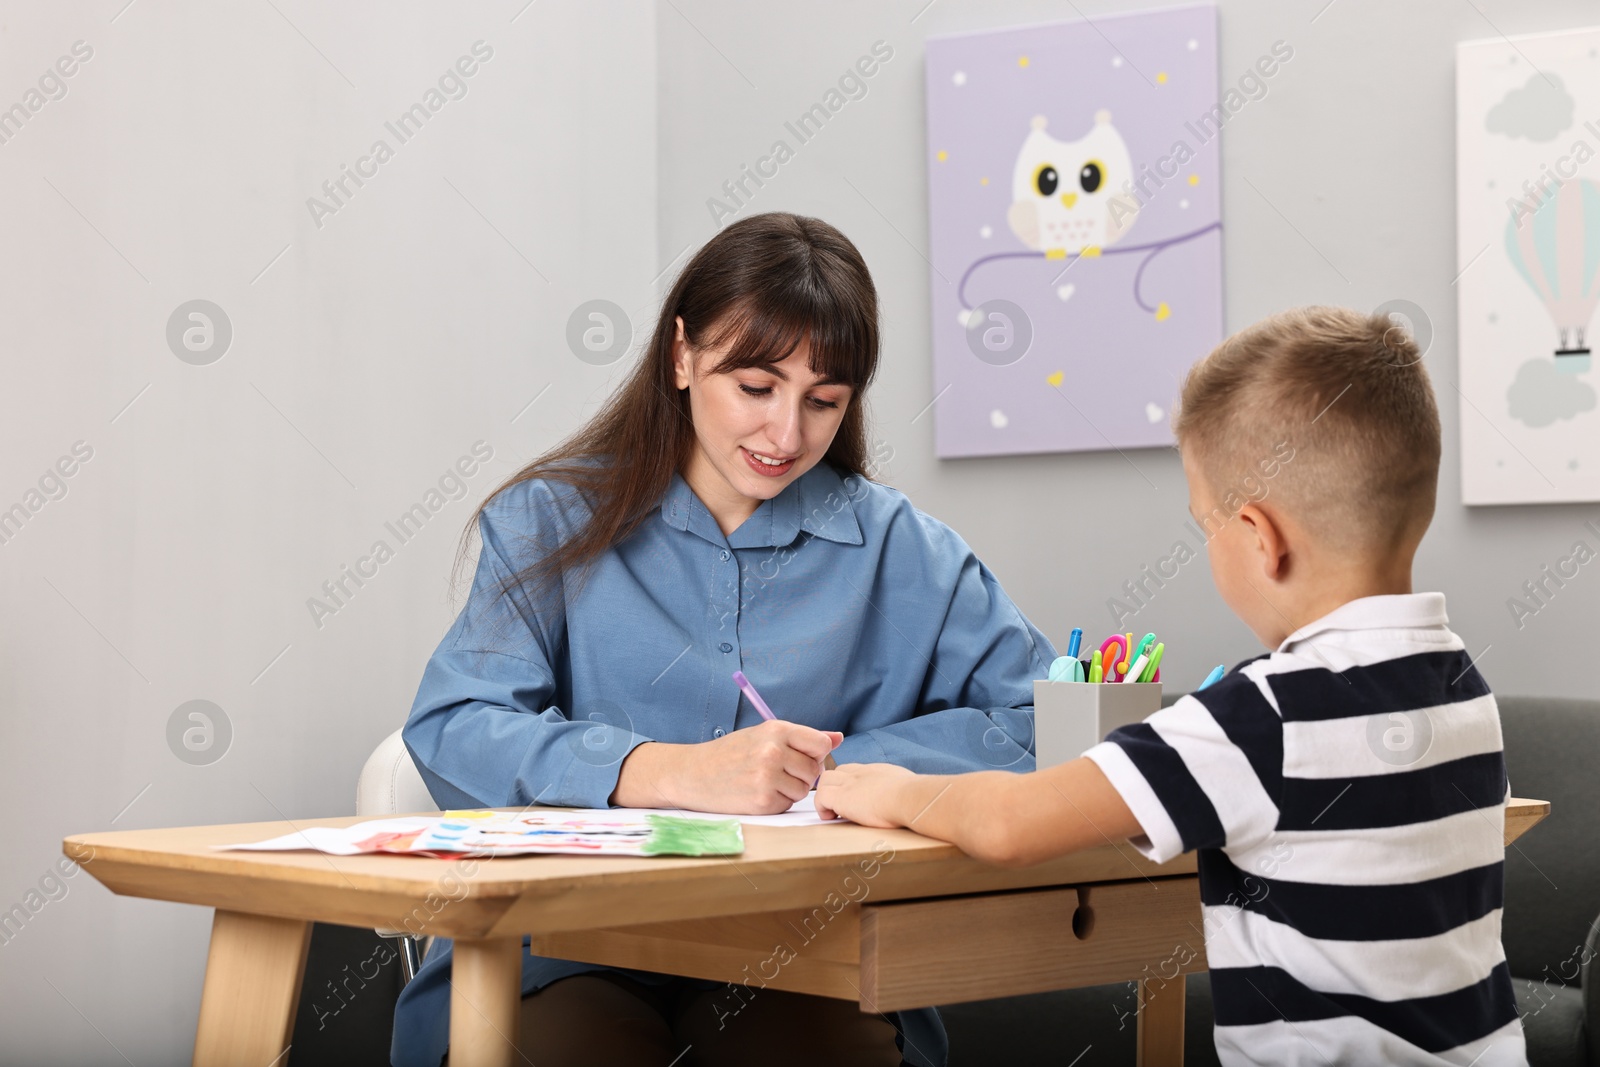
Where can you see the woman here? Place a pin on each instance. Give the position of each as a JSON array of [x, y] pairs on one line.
[[716, 515]]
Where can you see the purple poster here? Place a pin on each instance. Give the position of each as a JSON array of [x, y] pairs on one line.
[[1076, 229]]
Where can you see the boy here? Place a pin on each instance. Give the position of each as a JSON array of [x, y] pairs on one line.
[[1346, 791]]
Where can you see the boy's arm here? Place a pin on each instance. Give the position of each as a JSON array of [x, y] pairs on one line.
[[1004, 818]]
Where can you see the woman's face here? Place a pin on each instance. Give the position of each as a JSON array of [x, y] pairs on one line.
[[756, 429]]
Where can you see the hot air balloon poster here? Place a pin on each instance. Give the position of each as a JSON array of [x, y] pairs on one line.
[[1075, 226], [1528, 253]]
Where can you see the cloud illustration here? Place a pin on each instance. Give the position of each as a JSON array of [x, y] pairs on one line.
[[1538, 111], [1541, 394]]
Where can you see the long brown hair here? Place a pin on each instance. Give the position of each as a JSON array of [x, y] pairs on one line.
[[769, 281]]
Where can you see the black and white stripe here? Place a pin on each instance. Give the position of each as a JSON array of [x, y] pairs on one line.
[[1352, 897]]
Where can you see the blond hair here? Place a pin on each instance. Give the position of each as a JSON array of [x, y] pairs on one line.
[[1347, 392]]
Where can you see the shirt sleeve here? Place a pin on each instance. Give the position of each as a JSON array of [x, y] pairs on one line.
[[1206, 772], [485, 729], [975, 708]]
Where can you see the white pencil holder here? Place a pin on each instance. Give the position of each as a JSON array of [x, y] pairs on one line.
[[1071, 717]]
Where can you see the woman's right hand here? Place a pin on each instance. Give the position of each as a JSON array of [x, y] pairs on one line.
[[760, 770]]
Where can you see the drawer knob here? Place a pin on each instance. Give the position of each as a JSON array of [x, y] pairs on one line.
[[1083, 916]]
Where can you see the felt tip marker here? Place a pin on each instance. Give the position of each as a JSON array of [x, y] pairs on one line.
[[766, 713], [1156, 653], [755, 698]]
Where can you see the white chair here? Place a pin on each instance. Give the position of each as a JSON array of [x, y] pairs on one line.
[[391, 785]]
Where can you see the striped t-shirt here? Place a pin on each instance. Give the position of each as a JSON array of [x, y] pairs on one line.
[[1346, 794]]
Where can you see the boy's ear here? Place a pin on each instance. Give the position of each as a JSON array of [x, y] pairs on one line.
[[1266, 537]]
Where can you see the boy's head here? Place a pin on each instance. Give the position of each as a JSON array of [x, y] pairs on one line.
[[1317, 430]]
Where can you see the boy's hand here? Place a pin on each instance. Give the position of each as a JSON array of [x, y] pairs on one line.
[[864, 793], [999, 817]]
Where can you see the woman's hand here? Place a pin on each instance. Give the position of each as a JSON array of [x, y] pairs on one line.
[[760, 770], [865, 793]]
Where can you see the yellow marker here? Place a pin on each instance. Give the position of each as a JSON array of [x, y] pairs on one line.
[[1055, 253], [1194, 179], [983, 181], [1163, 312], [943, 155], [1056, 379], [1161, 79], [1022, 61], [1090, 252]]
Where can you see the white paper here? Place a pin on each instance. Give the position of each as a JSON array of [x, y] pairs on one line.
[[802, 812]]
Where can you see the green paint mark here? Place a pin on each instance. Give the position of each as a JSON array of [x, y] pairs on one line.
[[674, 835]]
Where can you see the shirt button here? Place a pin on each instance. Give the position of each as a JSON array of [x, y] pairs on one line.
[[724, 555], [718, 732], [725, 647]]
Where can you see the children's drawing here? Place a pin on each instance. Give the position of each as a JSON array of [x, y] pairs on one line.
[[588, 832], [1528, 253], [1075, 222]]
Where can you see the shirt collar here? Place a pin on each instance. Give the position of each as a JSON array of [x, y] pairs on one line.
[[1394, 611], [817, 502]]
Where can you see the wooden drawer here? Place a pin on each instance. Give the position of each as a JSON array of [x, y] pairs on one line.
[[1001, 944]]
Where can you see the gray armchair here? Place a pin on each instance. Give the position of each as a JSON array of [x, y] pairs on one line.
[[1551, 930]]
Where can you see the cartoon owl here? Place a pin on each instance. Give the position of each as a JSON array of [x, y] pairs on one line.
[[1065, 195]]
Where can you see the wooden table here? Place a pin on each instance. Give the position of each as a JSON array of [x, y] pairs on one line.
[[886, 918]]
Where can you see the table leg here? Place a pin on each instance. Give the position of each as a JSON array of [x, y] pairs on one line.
[[1161, 1022], [485, 1002], [252, 989]]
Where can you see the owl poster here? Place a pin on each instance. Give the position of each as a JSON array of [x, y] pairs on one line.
[[1075, 229], [1528, 257]]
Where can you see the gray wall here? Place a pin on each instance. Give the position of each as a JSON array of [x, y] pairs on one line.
[[365, 361], [1351, 157]]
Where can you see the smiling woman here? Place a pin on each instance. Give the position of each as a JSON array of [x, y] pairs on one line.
[[771, 421], [773, 300], [613, 600]]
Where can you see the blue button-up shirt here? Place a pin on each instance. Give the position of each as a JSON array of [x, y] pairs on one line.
[[848, 609]]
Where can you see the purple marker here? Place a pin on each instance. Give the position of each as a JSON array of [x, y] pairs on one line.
[[755, 697], [766, 713]]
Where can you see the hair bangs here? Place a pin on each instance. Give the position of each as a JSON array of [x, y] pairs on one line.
[[842, 347]]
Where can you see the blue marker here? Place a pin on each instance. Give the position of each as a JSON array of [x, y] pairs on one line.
[[1073, 642], [1216, 672]]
